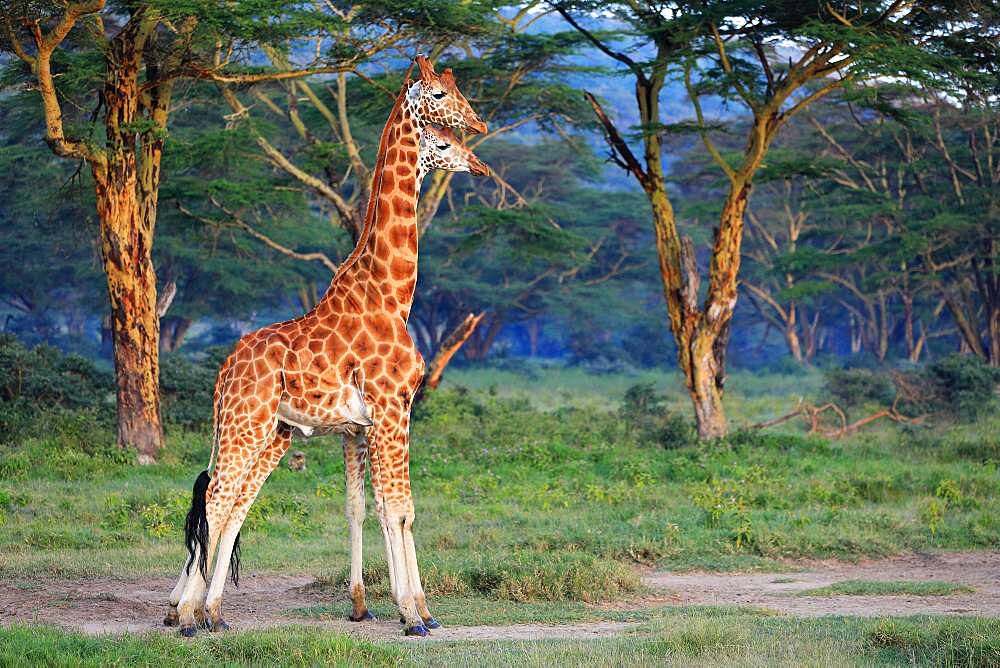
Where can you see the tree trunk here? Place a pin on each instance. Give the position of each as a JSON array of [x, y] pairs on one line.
[[883, 327], [911, 343], [447, 350], [970, 340], [993, 313], [706, 390], [534, 333], [701, 335], [792, 334], [478, 344], [126, 248], [172, 331]]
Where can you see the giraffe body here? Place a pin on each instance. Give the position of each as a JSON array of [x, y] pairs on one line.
[[347, 366]]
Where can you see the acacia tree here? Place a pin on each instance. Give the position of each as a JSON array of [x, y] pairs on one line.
[[728, 51], [136, 52]]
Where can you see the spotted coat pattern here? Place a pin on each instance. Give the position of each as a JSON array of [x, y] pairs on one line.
[[348, 366]]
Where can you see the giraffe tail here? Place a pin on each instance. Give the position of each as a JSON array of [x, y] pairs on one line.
[[196, 533], [196, 526]]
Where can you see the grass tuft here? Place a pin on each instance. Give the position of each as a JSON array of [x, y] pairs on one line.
[[889, 588]]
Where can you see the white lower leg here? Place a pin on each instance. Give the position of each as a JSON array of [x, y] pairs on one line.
[[388, 558], [356, 518], [175, 593], [193, 593], [213, 602], [404, 596], [354, 460], [413, 573]]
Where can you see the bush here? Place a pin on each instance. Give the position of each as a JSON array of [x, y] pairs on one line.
[[39, 380], [644, 411], [961, 384], [858, 386], [186, 389]]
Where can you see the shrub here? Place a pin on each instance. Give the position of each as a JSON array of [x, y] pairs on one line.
[[857, 386], [38, 380], [186, 388], [644, 410], [961, 384], [44, 375]]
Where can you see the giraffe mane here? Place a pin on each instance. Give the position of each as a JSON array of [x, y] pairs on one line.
[[379, 169]]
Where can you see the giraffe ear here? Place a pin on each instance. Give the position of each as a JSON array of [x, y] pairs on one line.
[[448, 78]]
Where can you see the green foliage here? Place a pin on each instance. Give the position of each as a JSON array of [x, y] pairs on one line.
[[46, 377], [857, 386], [36, 384], [187, 387], [644, 411], [963, 384]]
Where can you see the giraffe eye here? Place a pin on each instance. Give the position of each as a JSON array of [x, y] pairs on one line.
[[443, 147], [439, 94]]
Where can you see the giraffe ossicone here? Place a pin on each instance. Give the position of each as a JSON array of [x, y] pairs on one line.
[[349, 365]]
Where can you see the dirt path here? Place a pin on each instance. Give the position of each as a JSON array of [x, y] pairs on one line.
[[263, 600], [778, 591]]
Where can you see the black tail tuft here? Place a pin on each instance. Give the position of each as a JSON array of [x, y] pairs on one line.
[[234, 562], [196, 526]]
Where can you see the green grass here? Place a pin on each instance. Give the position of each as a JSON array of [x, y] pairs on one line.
[[683, 637], [478, 611], [45, 646], [519, 504], [889, 588], [537, 500]]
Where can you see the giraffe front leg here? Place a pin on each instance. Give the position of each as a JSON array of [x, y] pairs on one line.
[[402, 591], [413, 573], [355, 456], [387, 481]]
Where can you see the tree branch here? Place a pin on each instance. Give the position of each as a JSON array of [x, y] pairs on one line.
[[45, 45], [618, 146], [604, 48], [703, 131], [317, 256]]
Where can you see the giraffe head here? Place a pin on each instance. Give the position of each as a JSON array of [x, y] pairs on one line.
[[438, 100], [440, 148]]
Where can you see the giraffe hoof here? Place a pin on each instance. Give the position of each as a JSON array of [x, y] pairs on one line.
[[188, 631], [219, 626], [432, 623], [172, 618], [417, 630], [366, 616]]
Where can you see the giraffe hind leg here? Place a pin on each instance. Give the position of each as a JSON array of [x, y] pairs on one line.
[[228, 560], [196, 541], [355, 456]]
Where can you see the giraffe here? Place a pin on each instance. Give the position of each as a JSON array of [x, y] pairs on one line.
[[347, 366]]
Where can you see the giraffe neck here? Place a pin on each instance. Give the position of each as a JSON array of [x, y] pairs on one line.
[[384, 261]]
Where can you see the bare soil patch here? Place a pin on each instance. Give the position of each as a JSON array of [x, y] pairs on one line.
[[264, 600], [777, 591]]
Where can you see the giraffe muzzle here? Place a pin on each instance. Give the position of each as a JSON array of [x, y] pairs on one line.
[[478, 167], [477, 125]]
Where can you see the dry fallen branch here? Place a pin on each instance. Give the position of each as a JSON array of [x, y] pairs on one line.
[[813, 414]]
